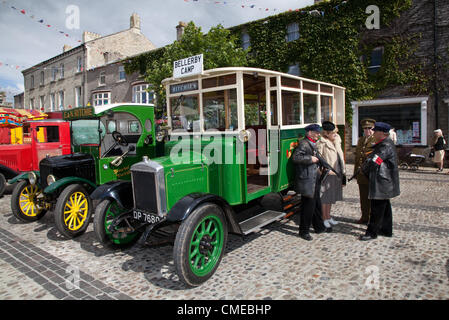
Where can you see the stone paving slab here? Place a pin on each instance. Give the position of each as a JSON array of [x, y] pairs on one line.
[[272, 264]]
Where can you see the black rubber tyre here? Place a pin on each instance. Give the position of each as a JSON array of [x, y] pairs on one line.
[[25, 212], [211, 254], [403, 166], [69, 223], [2, 184], [104, 213]]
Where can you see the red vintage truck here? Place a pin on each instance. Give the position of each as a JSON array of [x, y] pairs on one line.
[[45, 137]]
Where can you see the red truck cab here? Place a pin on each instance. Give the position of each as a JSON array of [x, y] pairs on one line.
[[46, 137]]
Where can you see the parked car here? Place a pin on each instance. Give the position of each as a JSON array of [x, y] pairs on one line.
[[106, 142]]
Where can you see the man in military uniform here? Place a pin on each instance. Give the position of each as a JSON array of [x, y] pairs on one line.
[[364, 148]]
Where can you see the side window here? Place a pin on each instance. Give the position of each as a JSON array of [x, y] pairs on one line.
[[133, 126], [111, 126], [47, 134]]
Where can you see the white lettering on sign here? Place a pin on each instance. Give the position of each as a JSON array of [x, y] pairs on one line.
[[188, 66]]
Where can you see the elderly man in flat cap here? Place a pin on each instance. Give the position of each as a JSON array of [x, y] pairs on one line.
[[307, 182], [381, 168], [364, 148]]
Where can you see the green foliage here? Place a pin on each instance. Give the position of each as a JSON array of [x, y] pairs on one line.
[[218, 47]]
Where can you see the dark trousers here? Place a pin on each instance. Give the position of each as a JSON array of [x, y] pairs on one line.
[[381, 219], [311, 213], [365, 204]]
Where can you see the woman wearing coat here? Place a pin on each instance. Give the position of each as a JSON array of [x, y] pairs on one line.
[[329, 147], [438, 147]]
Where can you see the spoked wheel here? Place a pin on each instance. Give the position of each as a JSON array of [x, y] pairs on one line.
[[200, 244], [73, 211], [105, 213], [26, 202], [403, 166], [414, 167]]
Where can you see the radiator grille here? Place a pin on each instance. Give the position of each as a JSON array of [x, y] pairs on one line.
[[145, 191]]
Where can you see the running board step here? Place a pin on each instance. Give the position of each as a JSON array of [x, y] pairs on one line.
[[255, 223]]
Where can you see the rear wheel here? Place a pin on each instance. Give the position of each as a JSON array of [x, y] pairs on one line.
[[26, 202], [73, 211], [403, 166], [200, 244], [105, 213]]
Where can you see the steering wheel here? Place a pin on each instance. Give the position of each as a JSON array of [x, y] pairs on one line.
[[119, 138]]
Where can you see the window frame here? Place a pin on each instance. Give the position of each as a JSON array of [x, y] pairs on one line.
[[96, 98], [295, 32]]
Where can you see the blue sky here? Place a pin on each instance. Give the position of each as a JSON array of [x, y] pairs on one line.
[[25, 41]]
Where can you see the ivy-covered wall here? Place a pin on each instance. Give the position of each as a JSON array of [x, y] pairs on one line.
[[330, 48]]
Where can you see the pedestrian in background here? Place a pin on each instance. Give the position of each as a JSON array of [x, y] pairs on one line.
[[307, 182], [438, 147], [332, 186], [364, 148], [382, 171]]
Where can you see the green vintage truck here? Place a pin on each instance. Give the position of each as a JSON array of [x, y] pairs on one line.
[[106, 141], [232, 133]]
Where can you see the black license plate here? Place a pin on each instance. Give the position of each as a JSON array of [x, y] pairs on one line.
[[146, 217]]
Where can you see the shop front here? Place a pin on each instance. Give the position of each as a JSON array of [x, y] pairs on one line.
[[408, 117]]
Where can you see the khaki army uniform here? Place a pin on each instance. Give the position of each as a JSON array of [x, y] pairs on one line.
[[364, 148]]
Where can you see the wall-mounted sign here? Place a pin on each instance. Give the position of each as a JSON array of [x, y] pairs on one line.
[[183, 87], [79, 113], [188, 66]]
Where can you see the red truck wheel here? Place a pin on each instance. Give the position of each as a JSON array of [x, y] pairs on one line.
[[25, 202]]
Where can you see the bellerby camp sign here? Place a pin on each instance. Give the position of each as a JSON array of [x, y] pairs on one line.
[[188, 66]]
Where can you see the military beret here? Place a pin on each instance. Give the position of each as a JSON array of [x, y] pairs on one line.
[[382, 126], [368, 123], [328, 126], [313, 127]]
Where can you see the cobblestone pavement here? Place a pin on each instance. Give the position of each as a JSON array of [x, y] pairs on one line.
[[37, 263]]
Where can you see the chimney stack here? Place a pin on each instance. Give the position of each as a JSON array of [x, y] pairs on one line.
[[180, 30], [66, 48], [134, 21], [89, 36]]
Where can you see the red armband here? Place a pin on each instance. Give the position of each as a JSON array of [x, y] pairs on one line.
[[378, 160]]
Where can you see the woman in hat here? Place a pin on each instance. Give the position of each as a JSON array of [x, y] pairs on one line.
[[438, 147], [331, 189]]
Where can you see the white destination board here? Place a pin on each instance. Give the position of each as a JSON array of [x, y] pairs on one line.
[[188, 66]]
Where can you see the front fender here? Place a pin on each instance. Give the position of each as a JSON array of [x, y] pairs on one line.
[[119, 191], [184, 207], [67, 181], [23, 176]]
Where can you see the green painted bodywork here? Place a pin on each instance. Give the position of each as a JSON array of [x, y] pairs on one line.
[[62, 183], [23, 176], [199, 169]]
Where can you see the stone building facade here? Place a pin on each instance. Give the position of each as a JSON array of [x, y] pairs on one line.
[[62, 82], [415, 117]]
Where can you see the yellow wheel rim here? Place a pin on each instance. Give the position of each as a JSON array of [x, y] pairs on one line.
[[75, 211], [28, 201]]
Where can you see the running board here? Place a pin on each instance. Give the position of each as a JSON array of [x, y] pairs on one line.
[[254, 224]]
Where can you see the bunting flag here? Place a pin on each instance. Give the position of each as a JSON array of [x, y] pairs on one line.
[[32, 16], [253, 6]]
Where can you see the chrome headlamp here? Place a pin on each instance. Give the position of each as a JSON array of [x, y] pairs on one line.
[[51, 179], [32, 178]]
